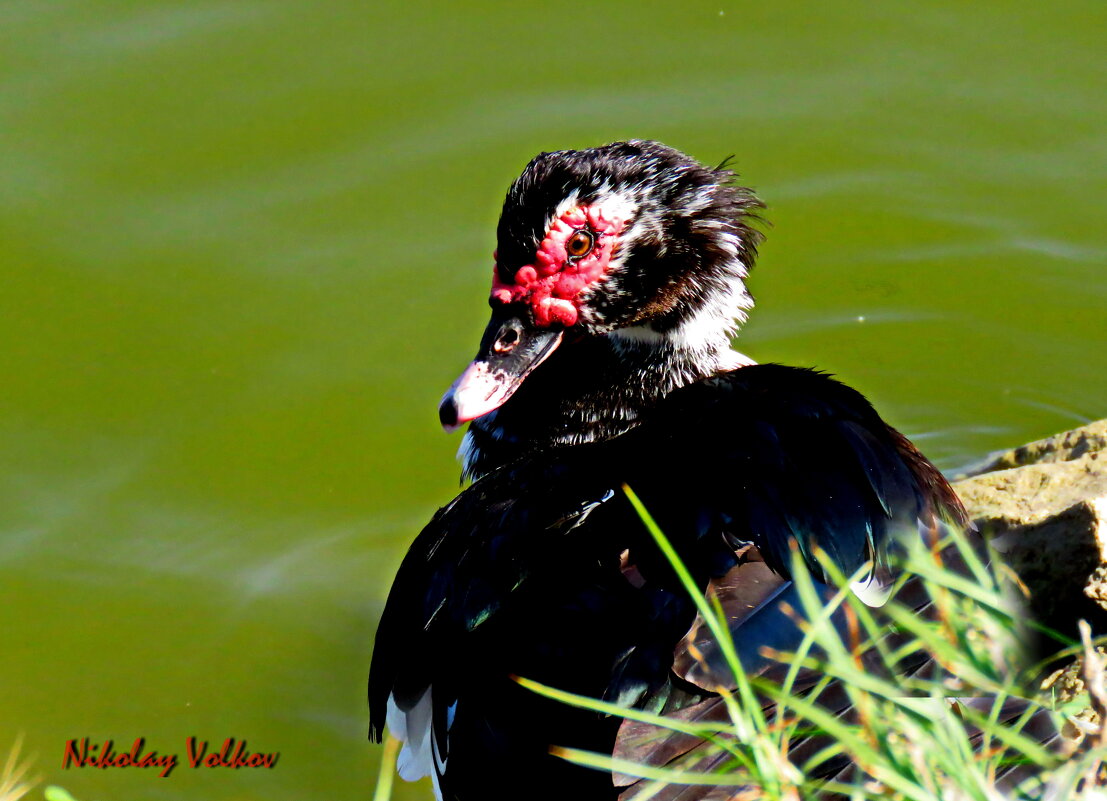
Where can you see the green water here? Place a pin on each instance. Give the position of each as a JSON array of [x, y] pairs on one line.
[[246, 245]]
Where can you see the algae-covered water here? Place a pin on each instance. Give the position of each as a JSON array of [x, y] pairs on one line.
[[245, 245]]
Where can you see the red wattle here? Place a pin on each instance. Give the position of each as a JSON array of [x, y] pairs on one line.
[[553, 284]]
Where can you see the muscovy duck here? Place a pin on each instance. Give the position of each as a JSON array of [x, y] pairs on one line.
[[619, 281]]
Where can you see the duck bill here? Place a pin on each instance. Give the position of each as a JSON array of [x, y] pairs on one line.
[[510, 351]]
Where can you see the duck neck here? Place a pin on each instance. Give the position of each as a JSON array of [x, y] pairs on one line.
[[590, 390]]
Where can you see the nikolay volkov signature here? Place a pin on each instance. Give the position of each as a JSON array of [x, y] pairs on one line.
[[233, 754]]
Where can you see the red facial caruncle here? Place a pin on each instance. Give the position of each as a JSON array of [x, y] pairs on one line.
[[574, 255]]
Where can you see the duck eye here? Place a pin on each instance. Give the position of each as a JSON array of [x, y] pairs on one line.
[[579, 244]]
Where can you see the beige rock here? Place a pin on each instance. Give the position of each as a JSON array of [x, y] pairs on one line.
[[1061, 447], [1065, 685], [1029, 495], [1048, 516], [1044, 507], [1096, 587]]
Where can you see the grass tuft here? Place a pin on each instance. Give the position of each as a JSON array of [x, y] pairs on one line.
[[14, 782], [968, 727]]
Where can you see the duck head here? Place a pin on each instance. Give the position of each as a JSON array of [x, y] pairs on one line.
[[632, 243]]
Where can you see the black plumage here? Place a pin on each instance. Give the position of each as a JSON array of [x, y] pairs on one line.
[[524, 573], [542, 569]]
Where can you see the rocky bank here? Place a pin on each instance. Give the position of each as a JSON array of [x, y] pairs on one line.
[[1044, 508]]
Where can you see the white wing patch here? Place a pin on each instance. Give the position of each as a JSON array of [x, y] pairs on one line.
[[420, 755], [414, 729]]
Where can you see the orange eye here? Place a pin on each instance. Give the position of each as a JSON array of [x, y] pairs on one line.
[[579, 244]]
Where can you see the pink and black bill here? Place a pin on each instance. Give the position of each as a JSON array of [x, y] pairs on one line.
[[509, 351]]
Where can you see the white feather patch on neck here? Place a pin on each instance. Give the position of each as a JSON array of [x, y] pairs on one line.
[[709, 330]]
